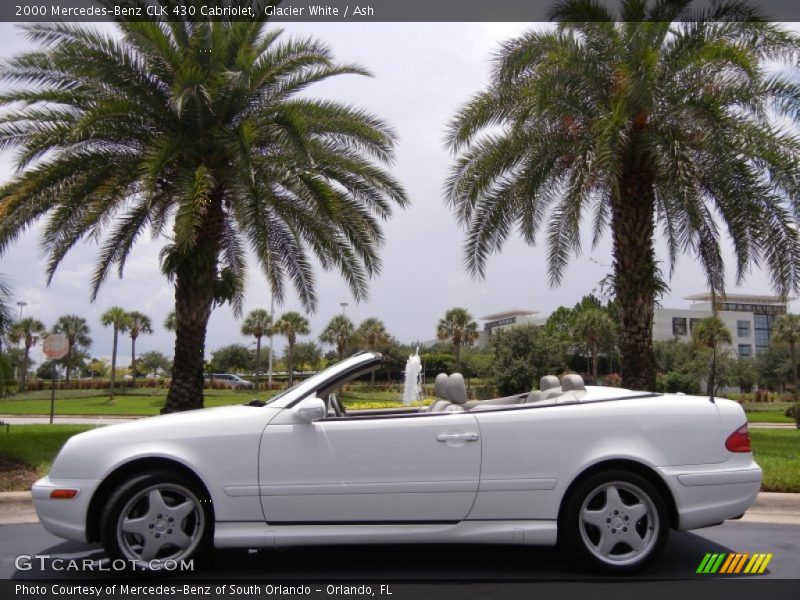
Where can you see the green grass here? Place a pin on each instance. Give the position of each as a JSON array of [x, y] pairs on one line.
[[36, 445], [768, 417], [777, 452], [148, 401]]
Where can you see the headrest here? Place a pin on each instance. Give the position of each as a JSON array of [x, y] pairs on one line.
[[440, 386], [572, 382], [547, 382], [456, 390]]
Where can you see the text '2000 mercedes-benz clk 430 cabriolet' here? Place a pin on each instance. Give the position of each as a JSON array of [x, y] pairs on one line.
[[605, 471]]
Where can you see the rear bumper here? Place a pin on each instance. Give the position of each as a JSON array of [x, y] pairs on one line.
[[709, 494], [64, 518]]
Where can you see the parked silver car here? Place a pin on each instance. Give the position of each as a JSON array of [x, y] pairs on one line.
[[230, 380]]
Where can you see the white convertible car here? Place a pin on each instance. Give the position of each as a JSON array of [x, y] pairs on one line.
[[606, 471]]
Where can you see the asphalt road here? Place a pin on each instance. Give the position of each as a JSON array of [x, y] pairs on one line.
[[462, 563]]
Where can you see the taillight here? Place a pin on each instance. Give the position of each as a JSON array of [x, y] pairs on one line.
[[739, 440], [63, 494]]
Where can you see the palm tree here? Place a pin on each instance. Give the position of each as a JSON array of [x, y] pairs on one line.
[[711, 333], [372, 336], [117, 318], [258, 323], [593, 326], [138, 323], [339, 332], [291, 324], [6, 313], [787, 330], [656, 117], [459, 327], [169, 321], [199, 126], [27, 332], [76, 330]]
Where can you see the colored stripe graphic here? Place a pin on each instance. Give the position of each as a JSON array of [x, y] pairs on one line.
[[734, 563]]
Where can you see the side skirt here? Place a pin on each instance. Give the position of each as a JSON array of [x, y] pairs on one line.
[[264, 535]]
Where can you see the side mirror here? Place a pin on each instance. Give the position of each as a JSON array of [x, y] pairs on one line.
[[310, 410]]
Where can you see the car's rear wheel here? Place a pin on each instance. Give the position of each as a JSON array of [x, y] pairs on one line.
[[156, 518], [615, 521]]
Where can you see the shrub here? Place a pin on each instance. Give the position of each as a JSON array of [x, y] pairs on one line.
[[613, 380]]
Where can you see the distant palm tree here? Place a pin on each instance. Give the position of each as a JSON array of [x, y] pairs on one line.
[[711, 333], [6, 312], [170, 323], [291, 324], [27, 331], [592, 327], [258, 323], [372, 335], [460, 328], [76, 330], [339, 332], [787, 330], [138, 323], [207, 128], [117, 318], [658, 116]]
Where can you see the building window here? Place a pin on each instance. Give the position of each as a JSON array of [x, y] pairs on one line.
[[743, 329], [678, 325], [762, 328], [745, 351], [692, 323]]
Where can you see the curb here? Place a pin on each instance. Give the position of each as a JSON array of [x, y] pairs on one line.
[[769, 507]]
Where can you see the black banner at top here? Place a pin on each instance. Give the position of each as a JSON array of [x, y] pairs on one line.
[[368, 10]]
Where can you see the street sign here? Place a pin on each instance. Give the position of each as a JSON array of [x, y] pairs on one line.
[[56, 346]]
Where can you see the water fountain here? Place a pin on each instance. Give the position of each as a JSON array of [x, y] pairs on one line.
[[412, 390]]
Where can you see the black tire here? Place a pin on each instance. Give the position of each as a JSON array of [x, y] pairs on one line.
[[135, 522], [603, 533]]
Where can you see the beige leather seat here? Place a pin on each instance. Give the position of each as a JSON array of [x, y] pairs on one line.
[[549, 387], [440, 391], [456, 393], [574, 388]]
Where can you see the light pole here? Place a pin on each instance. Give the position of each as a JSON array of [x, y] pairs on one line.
[[344, 305], [21, 305]]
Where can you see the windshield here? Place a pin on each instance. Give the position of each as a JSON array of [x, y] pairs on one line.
[[325, 376]]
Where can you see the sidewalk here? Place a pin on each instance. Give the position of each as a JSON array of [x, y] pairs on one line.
[[770, 507]]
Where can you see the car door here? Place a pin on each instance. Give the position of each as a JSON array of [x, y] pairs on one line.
[[401, 468]]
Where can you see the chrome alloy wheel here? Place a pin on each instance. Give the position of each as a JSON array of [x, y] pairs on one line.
[[159, 523], [619, 523]]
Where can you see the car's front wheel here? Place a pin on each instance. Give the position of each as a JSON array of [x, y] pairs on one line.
[[155, 518], [616, 521]]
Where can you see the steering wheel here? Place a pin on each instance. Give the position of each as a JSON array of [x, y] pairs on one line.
[[335, 406]]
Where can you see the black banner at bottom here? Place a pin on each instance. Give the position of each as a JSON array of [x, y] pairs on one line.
[[710, 589]]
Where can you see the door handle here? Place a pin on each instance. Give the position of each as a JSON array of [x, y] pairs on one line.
[[449, 437]]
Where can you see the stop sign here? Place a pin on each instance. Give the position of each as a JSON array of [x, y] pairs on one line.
[[56, 345]]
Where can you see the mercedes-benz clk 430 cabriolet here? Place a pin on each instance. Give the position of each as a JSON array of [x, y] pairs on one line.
[[605, 471]]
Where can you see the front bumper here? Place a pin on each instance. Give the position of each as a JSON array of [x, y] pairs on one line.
[[64, 518]]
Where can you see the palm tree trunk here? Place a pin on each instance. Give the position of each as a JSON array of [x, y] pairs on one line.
[[133, 360], [594, 363], [23, 378], [291, 363], [635, 277], [194, 298], [457, 351], [258, 359], [795, 390], [68, 361], [114, 363]]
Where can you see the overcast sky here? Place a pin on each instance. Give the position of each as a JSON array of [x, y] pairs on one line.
[[423, 72]]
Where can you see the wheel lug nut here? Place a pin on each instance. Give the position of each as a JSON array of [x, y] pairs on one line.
[[171, 519], [616, 512], [151, 526], [626, 517], [158, 535], [624, 529], [607, 521], [169, 530], [613, 530], [160, 516]]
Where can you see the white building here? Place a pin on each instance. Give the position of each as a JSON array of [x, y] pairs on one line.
[[750, 319], [505, 320]]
